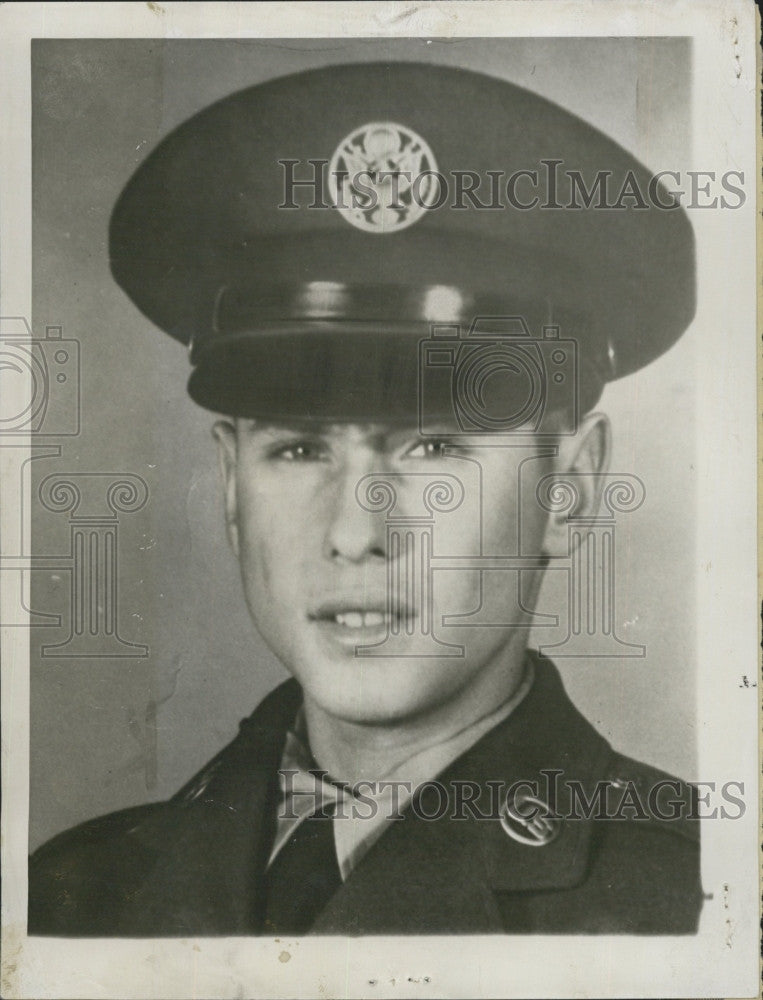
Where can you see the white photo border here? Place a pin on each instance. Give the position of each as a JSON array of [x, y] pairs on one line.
[[722, 959]]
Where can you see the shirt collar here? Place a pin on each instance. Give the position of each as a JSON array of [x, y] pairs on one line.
[[304, 787]]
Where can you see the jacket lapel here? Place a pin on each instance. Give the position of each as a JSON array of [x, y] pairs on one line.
[[418, 878], [215, 839], [550, 745], [442, 876]]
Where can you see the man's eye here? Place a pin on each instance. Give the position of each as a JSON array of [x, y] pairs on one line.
[[432, 448], [298, 451]]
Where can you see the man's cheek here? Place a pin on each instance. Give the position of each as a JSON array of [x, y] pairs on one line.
[[455, 592], [271, 560], [255, 563]]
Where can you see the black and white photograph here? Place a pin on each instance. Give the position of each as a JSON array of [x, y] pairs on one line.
[[378, 442]]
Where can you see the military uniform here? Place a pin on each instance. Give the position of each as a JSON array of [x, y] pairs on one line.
[[195, 865], [302, 237]]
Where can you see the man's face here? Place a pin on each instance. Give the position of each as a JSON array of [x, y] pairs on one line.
[[324, 576]]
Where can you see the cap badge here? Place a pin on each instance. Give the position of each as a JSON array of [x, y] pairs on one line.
[[382, 177], [529, 820]]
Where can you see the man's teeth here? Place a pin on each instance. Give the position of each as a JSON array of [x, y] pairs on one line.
[[360, 619]]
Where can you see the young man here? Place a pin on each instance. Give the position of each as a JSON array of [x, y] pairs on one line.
[[405, 285]]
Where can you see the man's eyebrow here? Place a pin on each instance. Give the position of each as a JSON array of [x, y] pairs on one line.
[[311, 427], [295, 426]]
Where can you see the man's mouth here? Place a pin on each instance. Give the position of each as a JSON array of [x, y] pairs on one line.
[[357, 617], [361, 619]]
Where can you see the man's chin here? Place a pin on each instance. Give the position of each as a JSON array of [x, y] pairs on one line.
[[376, 691]]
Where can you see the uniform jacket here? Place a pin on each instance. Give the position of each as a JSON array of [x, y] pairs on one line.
[[194, 865]]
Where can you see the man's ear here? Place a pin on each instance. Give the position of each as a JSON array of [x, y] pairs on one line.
[[224, 433], [583, 457]]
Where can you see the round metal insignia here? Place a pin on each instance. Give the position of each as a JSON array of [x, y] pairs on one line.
[[383, 177], [530, 821]]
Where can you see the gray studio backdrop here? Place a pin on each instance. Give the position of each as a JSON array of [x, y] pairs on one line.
[[111, 731]]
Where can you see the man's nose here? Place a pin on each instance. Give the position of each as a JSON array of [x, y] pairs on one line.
[[353, 534]]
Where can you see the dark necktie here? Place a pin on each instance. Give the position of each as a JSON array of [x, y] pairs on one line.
[[303, 877]]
